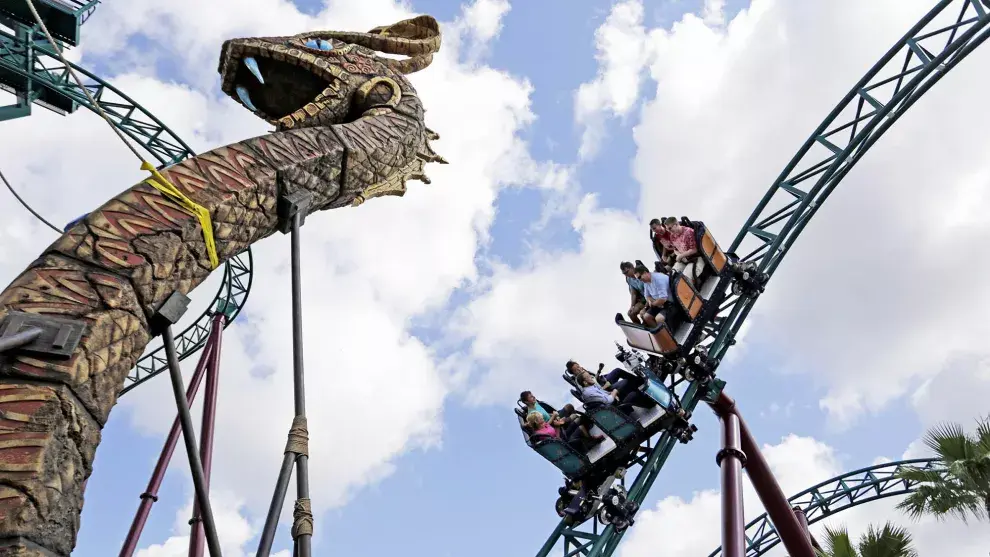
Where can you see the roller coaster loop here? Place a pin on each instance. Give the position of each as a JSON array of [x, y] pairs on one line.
[[937, 43], [836, 495], [24, 62]]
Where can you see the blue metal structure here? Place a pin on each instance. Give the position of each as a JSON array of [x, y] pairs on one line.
[[935, 45], [31, 71], [836, 495]]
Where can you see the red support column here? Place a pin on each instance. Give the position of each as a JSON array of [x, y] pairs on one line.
[[731, 460], [197, 540], [792, 535], [803, 520], [150, 495]]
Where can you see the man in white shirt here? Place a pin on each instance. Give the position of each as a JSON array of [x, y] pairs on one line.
[[656, 288]]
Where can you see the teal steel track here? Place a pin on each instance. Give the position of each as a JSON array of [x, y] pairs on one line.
[[836, 495], [935, 45], [30, 69]]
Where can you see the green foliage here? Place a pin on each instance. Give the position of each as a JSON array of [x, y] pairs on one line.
[[890, 541], [962, 487]]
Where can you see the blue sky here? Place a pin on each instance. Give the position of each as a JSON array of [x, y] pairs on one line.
[[479, 490]]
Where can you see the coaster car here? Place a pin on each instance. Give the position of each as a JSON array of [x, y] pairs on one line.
[[590, 472], [690, 309], [569, 458]]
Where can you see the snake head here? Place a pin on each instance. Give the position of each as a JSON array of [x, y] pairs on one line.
[[323, 78]]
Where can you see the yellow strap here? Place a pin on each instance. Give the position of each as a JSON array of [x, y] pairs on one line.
[[159, 182]]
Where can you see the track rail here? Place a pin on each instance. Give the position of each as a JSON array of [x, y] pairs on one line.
[[936, 44], [834, 496], [47, 80]]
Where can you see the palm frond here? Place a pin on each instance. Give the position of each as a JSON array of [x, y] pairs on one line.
[[949, 442], [983, 436], [890, 541], [918, 475], [941, 503], [837, 543]]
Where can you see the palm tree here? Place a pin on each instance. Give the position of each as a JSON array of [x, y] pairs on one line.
[[962, 486], [891, 541]]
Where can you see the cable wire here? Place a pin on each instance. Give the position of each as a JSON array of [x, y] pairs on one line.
[[26, 206]]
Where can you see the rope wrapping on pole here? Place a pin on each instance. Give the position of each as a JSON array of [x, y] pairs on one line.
[[302, 519], [298, 441]]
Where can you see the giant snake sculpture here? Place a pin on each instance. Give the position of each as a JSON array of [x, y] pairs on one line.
[[349, 127]]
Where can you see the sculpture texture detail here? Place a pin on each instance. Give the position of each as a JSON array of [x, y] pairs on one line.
[[349, 128]]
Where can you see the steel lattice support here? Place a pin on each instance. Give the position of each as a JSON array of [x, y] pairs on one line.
[[836, 495], [29, 69], [935, 45]]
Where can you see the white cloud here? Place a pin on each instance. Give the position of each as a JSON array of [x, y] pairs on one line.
[[622, 53], [957, 393], [533, 319], [367, 272], [485, 16], [713, 12], [693, 527]]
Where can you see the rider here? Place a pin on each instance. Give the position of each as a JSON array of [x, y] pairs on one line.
[[637, 300], [661, 243], [657, 291], [539, 426], [594, 395], [576, 427], [533, 406], [685, 247], [577, 371]]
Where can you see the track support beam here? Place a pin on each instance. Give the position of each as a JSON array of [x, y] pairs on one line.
[[795, 538], [197, 539], [731, 460]]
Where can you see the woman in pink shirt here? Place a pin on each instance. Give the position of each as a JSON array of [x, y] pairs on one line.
[[539, 426]]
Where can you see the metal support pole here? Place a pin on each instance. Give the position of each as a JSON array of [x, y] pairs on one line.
[[303, 543], [275, 509], [731, 460], [774, 501], [150, 495], [189, 436], [17, 340], [304, 540], [803, 521], [197, 540]]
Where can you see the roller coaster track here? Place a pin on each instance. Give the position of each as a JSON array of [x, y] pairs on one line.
[[25, 64], [935, 45], [836, 495]]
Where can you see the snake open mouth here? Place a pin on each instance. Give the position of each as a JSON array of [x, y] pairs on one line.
[[272, 81]]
